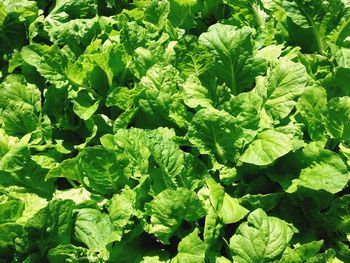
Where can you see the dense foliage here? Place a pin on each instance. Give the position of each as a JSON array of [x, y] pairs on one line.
[[175, 131]]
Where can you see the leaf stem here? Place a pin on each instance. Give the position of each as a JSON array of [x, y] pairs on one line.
[[72, 183]]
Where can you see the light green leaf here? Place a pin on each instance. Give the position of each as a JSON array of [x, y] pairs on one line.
[[324, 170], [84, 105], [338, 118], [120, 210], [93, 229], [301, 253], [68, 169], [49, 61], [133, 142], [192, 57], [170, 208], [69, 252], [78, 195], [157, 12], [232, 211], [311, 105], [110, 61], [122, 97], [227, 208], [313, 21], [15, 88], [233, 48], [245, 108], [191, 249], [212, 228], [260, 239], [159, 87], [195, 94], [215, 132], [182, 13], [281, 88], [102, 170], [166, 154], [15, 159], [267, 147], [32, 204]]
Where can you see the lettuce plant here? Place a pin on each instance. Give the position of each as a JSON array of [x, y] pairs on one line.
[[175, 131]]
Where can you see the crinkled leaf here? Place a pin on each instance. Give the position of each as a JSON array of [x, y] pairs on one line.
[[260, 239], [233, 47], [281, 88], [170, 208], [102, 170], [216, 132], [93, 228]]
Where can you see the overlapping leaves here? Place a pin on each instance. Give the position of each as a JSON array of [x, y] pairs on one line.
[[174, 131]]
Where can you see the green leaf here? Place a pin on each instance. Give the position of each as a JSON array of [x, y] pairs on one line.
[[193, 173], [263, 201], [324, 170], [110, 60], [68, 169], [157, 12], [133, 142], [84, 105], [15, 18], [338, 215], [21, 106], [160, 87], [122, 97], [281, 88], [232, 211], [63, 253], [8, 234], [234, 51], [338, 122], [191, 249], [32, 203], [19, 118], [254, 13], [49, 61], [11, 210], [102, 170], [120, 210], [311, 106], [170, 208], [15, 159], [227, 208], [192, 57], [93, 228], [245, 110], [54, 223], [68, 22], [311, 22], [15, 88], [182, 13], [195, 94], [268, 146], [216, 132], [260, 239], [166, 154], [301, 253]]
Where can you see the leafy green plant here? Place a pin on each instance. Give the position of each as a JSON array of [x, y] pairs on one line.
[[174, 131]]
